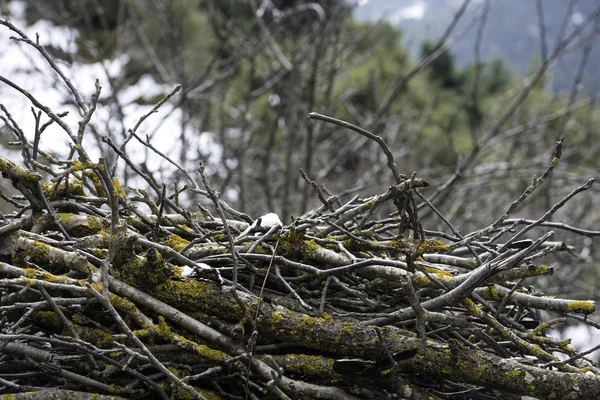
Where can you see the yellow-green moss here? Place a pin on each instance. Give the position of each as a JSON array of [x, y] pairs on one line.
[[490, 293], [96, 223], [176, 242], [291, 243], [163, 330], [36, 252], [48, 320], [209, 394], [79, 166], [123, 305], [100, 253], [80, 227], [219, 237], [348, 329], [118, 188], [91, 175], [31, 273], [542, 269], [584, 307], [54, 192], [96, 336], [420, 280], [26, 177], [68, 218], [310, 365], [186, 295], [432, 246], [471, 306], [277, 317], [514, 373], [143, 272], [541, 328], [440, 274], [182, 394]]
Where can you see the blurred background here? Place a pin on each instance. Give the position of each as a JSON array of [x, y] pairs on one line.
[[471, 95]]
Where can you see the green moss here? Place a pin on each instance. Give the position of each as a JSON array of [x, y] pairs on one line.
[[308, 320], [182, 394], [203, 350], [309, 248], [48, 277]]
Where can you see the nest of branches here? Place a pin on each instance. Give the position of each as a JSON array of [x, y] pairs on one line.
[[100, 297], [351, 300]]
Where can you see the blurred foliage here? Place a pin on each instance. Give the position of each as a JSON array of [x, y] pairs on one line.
[[339, 67]]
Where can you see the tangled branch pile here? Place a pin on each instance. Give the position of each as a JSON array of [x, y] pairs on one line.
[[99, 297], [350, 300]]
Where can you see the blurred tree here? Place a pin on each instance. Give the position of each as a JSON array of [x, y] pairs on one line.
[[442, 69]]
